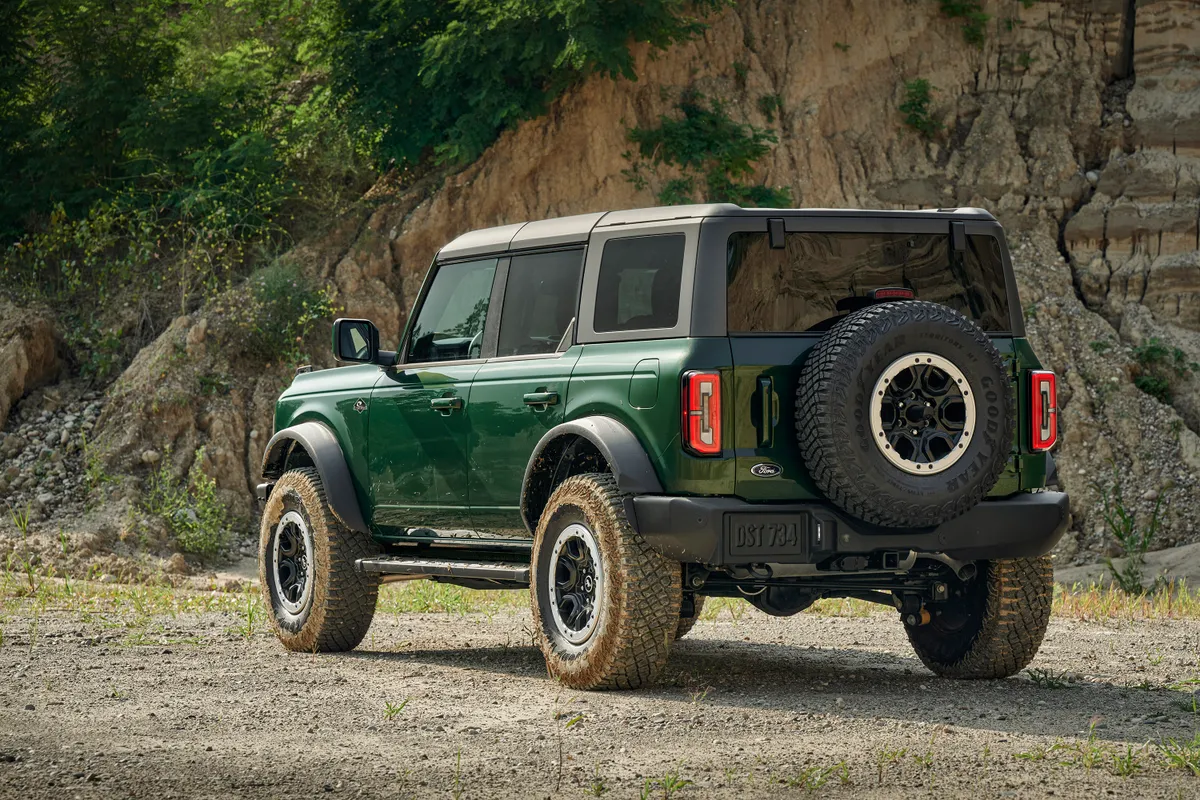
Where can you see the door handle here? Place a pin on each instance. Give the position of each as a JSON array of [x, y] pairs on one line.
[[542, 399], [446, 405]]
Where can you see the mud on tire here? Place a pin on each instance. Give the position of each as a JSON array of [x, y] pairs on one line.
[[995, 625], [623, 641], [332, 609], [840, 436]]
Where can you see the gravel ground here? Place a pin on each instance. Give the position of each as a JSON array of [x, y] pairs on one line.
[[749, 707]]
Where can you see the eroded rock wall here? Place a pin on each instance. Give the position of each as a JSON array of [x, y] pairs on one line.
[[1076, 122]]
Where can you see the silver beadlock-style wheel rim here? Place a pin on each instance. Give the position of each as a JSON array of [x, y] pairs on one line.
[[922, 413], [292, 561], [576, 583]]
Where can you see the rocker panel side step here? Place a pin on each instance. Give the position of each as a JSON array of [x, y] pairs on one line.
[[439, 567]]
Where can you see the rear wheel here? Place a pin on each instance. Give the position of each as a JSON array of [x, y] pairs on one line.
[[318, 601], [605, 604], [992, 625]]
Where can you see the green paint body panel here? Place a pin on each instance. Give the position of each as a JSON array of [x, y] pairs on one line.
[[600, 385], [504, 431], [329, 396], [417, 454]]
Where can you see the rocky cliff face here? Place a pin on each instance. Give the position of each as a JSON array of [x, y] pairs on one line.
[[1076, 122]]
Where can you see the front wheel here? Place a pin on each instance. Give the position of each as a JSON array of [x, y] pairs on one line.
[[318, 601], [605, 604], [992, 625]]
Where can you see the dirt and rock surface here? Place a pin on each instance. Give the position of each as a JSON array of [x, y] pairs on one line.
[[749, 707]]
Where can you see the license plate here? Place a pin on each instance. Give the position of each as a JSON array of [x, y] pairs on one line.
[[763, 536]]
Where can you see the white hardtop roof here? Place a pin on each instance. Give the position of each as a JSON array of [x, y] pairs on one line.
[[576, 229]]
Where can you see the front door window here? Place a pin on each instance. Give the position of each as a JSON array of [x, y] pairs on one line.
[[449, 325]]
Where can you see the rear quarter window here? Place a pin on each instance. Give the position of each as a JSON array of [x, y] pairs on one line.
[[798, 288], [638, 287]]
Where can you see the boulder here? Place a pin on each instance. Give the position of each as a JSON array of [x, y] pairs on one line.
[[29, 354]]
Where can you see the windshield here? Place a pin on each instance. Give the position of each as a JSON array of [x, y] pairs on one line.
[[817, 278]]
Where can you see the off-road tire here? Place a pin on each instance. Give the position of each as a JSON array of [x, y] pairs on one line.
[[687, 623], [637, 604], [833, 410], [342, 601], [1008, 609]]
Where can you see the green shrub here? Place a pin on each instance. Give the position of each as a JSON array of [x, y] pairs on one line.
[[429, 77], [974, 20], [918, 94], [1159, 367], [1156, 386], [269, 318], [715, 153], [770, 105], [190, 509]]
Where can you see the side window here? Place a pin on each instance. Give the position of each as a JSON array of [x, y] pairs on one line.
[[539, 302], [449, 324], [638, 285]]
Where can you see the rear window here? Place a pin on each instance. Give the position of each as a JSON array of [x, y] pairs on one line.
[[800, 287], [639, 283]]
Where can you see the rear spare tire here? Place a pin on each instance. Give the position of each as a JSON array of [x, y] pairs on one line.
[[904, 414]]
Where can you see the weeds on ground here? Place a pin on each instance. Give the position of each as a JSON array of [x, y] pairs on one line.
[[815, 776], [392, 710], [597, 787], [251, 611], [1182, 754], [1126, 764], [887, 758], [1048, 679], [669, 784], [20, 518], [1134, 538]]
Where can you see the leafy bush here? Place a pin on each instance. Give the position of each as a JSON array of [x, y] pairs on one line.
[[918, 94], [429, 77], [1160, 366], [271, 316], [190, 508], [153, 154], [714, 153], [971, 13]]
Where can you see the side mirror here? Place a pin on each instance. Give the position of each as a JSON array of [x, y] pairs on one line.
[[356, 341]]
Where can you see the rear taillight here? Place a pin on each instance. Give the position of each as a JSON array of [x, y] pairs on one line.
[[1043, 401], [702, 413]]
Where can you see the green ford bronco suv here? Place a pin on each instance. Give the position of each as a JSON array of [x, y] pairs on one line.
[[628, 412]]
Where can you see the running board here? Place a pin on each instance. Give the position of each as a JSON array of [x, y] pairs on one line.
[[440, 567]]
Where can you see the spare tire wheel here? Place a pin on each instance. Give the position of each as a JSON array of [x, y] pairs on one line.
[[904, 414]]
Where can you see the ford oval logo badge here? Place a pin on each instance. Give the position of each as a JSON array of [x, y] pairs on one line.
[[766, 470]]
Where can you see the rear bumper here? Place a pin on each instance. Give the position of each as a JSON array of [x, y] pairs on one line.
[[721, 531]]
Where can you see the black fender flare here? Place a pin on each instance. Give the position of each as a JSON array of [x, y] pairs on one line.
[[325, 451], [616, 443]]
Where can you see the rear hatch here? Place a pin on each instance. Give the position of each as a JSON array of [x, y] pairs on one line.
[[782, 300]]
